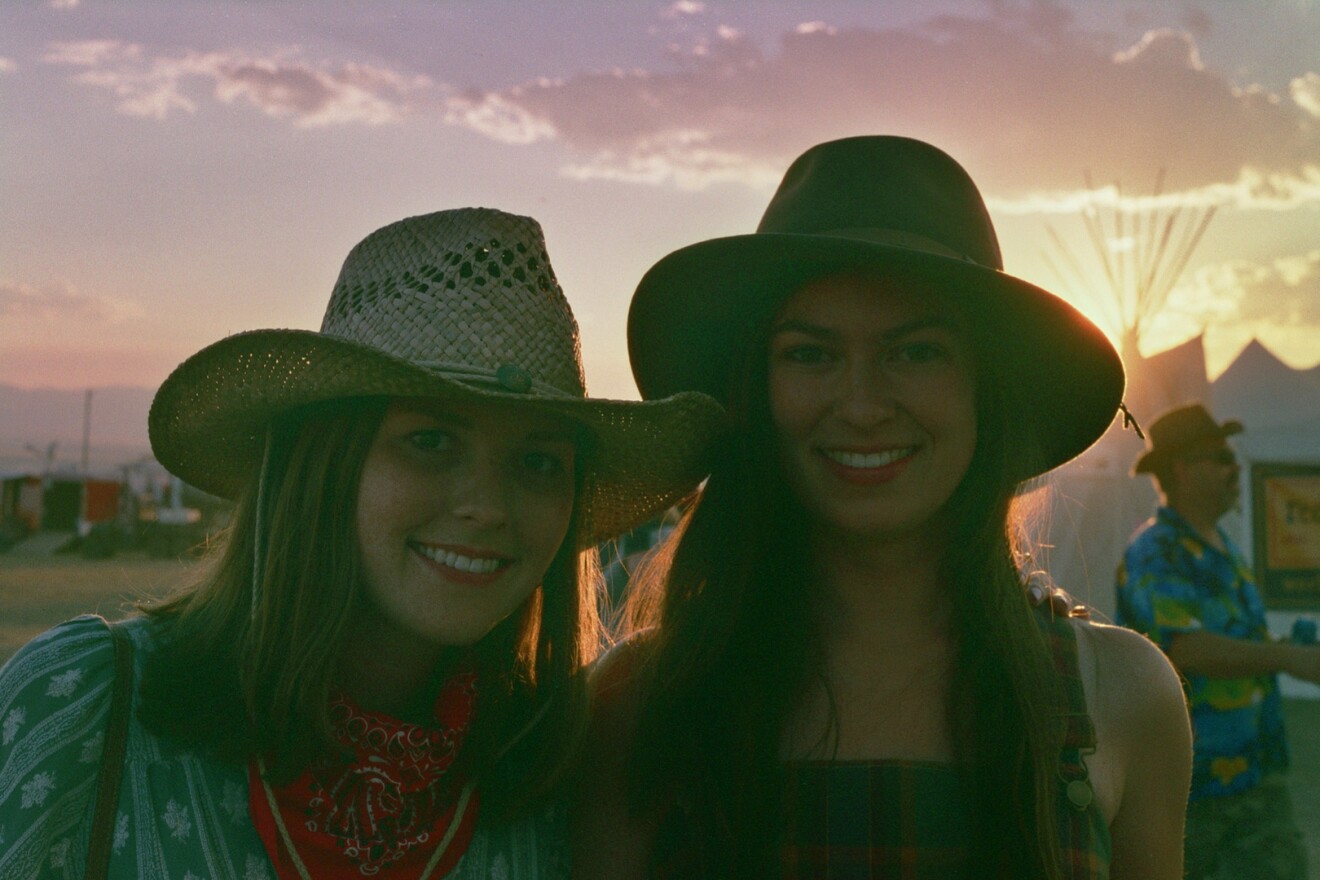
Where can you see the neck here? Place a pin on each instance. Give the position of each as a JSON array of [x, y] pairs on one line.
[[888, 651], [1204, 522], [383, 670], [885, 589]]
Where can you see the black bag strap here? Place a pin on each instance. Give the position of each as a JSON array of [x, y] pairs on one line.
[[112, 758]]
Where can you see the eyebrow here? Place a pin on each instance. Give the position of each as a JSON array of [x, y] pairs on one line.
[[905, 329]]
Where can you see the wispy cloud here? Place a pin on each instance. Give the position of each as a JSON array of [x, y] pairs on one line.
[[1305, 91], [1276, 299], [7, 65], [1253, 189], [92, 53], [63, 4], [1026, 95], [1285, 291], [59, 302], [683, 7], [1026, 99], [497, 117], [281, 86]]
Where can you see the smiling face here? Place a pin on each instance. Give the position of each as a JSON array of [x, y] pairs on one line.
[[871, 395], [461, 508]]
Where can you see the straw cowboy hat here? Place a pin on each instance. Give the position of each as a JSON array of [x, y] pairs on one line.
[[1177, 431], [875, 203], [460, 303]]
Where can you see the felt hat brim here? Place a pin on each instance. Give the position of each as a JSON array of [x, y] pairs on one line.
[[1153, 459], [700, 305], [209, 418]]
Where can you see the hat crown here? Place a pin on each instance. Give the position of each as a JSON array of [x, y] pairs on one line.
[[466, 293], [885, 188], [1182, 427]]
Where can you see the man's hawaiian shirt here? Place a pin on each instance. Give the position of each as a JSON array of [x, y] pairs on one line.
[[1171, 581]]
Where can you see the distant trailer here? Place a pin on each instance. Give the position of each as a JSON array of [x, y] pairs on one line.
[[100, 502], [20, 500]]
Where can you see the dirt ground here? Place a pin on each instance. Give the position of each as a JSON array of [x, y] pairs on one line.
[[36, 593]]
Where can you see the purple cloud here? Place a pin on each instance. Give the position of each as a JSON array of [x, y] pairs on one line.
[[1025, 100], [281, 86], [56, 302]]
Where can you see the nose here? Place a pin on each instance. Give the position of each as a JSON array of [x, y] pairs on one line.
[[867, 396], [478, 493]]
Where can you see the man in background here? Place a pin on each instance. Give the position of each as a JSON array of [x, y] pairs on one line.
[[1185, 585]]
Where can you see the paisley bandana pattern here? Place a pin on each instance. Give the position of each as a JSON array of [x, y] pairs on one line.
[[385, 809]]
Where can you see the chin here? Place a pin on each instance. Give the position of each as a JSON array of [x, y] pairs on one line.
[[870, 527]]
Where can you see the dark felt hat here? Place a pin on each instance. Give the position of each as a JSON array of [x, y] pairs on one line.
[[875, 203], [1177, 431]]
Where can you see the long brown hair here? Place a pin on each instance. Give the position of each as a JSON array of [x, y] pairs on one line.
[[246, 669], [732, 649]]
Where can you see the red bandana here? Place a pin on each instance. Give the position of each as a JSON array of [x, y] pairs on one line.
[[383, 813]]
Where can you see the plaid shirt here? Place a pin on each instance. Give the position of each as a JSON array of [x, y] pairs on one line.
[[1171, 581], [907, 820]]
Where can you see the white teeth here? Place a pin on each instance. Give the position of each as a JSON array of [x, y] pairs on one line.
[[868, 459], [478, 565]]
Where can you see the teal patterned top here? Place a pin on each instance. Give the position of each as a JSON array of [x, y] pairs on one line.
[[182, 816], [1171, 581]]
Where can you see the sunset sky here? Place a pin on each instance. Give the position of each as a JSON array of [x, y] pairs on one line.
[[174, 172]]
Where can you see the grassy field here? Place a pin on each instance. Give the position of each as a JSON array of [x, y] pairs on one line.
[[38, 592]]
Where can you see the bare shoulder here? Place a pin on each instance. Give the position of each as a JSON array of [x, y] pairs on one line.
[[615, 685], [1120, 662], [1142, 765], [610, 840], [618, 668], [1127, 677]]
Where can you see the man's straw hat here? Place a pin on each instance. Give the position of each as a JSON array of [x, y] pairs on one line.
[[455, 304], [888, 204]]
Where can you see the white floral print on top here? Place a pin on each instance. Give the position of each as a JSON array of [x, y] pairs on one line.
[[181, 815]]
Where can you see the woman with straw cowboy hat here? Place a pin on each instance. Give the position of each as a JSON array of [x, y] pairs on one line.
[[839, 673], [378, 676]]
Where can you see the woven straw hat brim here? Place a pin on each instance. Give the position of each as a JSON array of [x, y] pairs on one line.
[[697, 306], [1152, 459], [208, 420]]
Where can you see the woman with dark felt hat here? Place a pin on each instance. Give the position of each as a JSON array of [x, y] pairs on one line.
[[837, 670], [380, 673]]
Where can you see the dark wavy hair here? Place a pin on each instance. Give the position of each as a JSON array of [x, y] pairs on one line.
[[731, 649], [240, 677]]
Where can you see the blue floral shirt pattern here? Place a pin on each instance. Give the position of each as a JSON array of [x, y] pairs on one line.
[[1171, 581]]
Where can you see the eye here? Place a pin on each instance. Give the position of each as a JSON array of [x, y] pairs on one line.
[[431, 440], [806, 354], [920, 352], [544, 464]]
